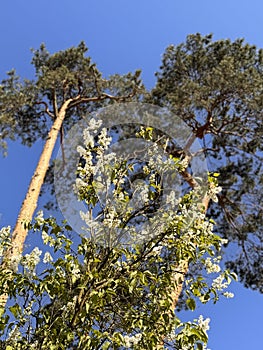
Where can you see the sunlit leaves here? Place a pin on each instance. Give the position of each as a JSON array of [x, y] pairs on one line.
[[88, 295]]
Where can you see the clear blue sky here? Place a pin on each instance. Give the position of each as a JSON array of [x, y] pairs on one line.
[[123, 36]]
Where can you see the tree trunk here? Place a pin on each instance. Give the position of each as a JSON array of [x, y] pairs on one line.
[[181, 270], [11, 258], [12, 255], [178, 277], [30, 202]]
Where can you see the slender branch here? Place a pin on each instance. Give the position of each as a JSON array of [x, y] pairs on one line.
[[54, 102], [46, 110], [82, 99]]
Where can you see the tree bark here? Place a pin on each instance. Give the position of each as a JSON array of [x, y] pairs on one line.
[[30, 202], [12, 256], [181, 270], [178, 277]]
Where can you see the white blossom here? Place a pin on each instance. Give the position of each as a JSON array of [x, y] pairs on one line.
[[228, 294], [211, 267], [103, 139], [48, 239], [40, 217], [88, 139], [218, 283], [79, 183], [75, 272], [184, 163], [172, 335], [120, 195], [5, 233], [140, 194], [213, 191], [111, 219], [157, 250], [70, 307], [31, 260], [129, 341], [47, 258], [4, 239], [87, 217], [81, 150], [94, 124], [171, 199], [224, 241], [204, 324], [45, 236], [146, 169]]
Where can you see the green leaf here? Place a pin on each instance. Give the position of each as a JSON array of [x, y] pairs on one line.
[[190, 302], [106, 345], [15, 309]]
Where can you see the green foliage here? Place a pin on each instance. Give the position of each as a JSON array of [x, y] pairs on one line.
[[216, 87], [27, 107], [18, 117], [87, 295]]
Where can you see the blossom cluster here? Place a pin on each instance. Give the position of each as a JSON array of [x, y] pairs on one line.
[[203, 323], [106, 178], [213, 191], [130, 341], [31, 260], [4, 239], [212, 266], [220, 283]]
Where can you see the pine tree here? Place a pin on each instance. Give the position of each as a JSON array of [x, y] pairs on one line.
[[67, 86], [216, 87]]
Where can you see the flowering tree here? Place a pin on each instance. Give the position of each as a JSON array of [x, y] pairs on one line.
[[110, 286], [116, 282]]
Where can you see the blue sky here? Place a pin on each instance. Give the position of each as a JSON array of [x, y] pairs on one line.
[[123, 36]]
